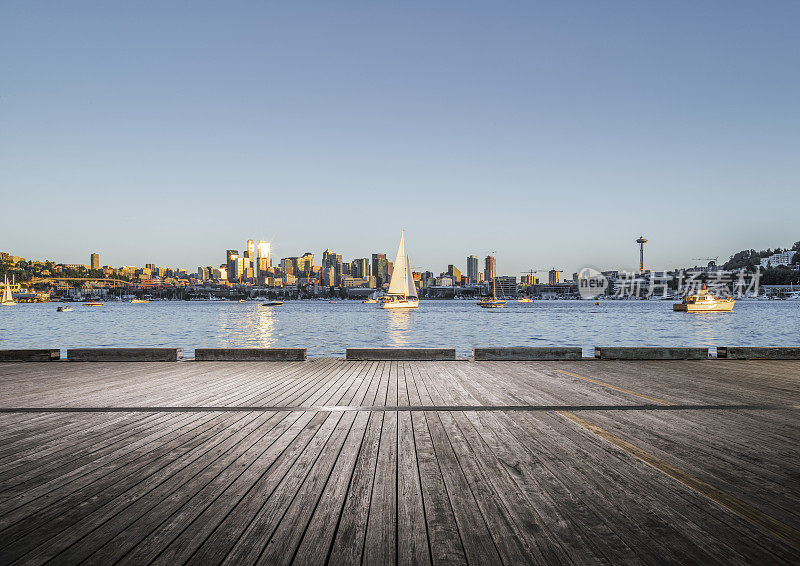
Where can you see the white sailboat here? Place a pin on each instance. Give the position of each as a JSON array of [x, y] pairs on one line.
[[402, 291], [7, 299]]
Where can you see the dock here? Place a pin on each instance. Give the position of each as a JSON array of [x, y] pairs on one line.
[[400, 462]]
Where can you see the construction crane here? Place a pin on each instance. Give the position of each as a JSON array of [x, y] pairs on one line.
[[714, 259], [532, 271]]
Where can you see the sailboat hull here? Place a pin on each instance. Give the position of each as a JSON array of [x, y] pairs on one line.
[[400, 304]]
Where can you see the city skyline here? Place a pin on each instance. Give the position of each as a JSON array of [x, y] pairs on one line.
[[578, 124], [258, 249]]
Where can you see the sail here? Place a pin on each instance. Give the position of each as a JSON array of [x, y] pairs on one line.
[[7, 298], [398, 285], [412, 289]]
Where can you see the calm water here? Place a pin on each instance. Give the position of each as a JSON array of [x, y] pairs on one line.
[[326, 329]]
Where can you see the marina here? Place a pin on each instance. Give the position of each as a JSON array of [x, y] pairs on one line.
[[334, 461]]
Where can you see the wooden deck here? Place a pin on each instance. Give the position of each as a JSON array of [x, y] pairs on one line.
[[400, 462]]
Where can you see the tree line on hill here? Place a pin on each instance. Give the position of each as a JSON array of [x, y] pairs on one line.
[[779, 275]]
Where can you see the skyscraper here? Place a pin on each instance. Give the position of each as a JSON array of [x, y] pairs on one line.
[[360, 268], [95, 261], [472, 269], [334, 260], [489, 268], [455, 273], [263, 258], [380, 268], [230, 260]]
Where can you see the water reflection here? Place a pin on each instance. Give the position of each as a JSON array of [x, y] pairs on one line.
[[327, 329], [264, 331], [399, 327]]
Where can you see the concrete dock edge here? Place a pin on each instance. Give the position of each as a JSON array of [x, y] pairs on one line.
[[523, 353], [650, 353], [249, 354], [401, 354], [41, 355], [124, 354], [759, 352]]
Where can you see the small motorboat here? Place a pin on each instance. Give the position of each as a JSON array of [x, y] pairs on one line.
[[93, 304], [272, 304], [525, 300], [64, 308]]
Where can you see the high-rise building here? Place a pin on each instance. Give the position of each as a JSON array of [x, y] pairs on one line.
[[289, 265], [328, 276], [230, 262], [263, 258], [472, 269], [380, 268], [360, 268], [305, 264], [334, 260], [489, 268], [94, 261], [454, 273], [552, 277], [250, 249]]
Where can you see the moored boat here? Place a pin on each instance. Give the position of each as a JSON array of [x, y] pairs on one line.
[[492, 302], [703, 301]]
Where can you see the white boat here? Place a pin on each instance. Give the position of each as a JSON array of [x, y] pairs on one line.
[[703, 301], [402, 292], [7, 299]]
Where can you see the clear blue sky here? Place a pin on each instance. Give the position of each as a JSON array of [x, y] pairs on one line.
[[552, 132]]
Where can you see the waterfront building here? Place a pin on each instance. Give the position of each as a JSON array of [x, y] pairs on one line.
[[552, 277], [489, 268], [472, 269], [348, 282], [94, 261], [506, 286]]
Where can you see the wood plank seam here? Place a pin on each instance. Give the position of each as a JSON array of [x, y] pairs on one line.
[[733, 504]]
